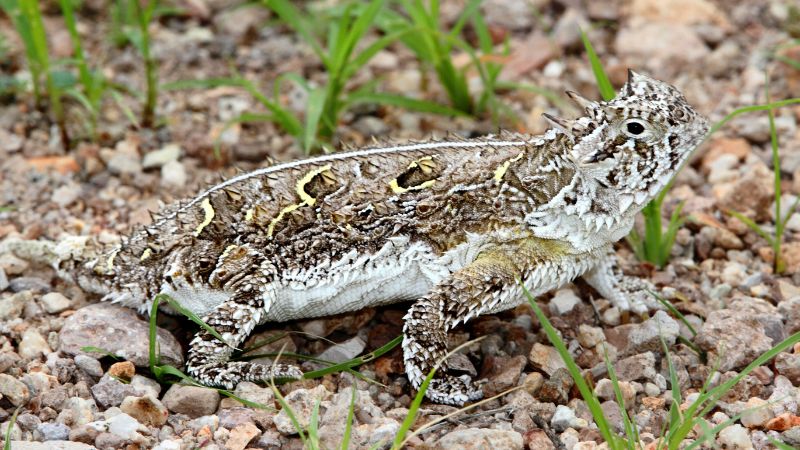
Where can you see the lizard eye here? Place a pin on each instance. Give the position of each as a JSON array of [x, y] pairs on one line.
[[634, 128]]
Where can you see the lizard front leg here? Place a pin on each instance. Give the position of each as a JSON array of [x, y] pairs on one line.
[[625, 292], [209, 359], [482, 286]]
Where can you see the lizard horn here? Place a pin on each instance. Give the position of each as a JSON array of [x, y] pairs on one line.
[[562, 124], [581, 101]]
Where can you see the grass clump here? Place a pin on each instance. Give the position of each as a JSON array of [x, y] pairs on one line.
[[434, 47], [333, 36], [26, 15]]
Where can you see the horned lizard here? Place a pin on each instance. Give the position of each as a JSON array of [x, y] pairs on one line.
[[451, 225]]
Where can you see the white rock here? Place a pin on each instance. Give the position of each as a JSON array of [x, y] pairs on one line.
[[33, 344], [158, 158], [589, 336], [55, 302], [173, 173], [487, 437], [735, 437], [756, 414], [563, 302], [564, 418], [343, 351]]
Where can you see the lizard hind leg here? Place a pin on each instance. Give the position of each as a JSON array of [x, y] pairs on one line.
[[208, 358]]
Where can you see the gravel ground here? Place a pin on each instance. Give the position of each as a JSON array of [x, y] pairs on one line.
[[720, 275]]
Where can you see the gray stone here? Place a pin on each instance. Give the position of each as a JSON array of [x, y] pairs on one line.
[[65, 195], [481, 439], [3, 280], [146, 385], [111, 392], [791, 436], [661, 46], [12, 264], [647, 335], [735, 436], [788, 365], [89, 365], [118, 330], [194, 401], [733, 337], [343, 351], [637, 367], [255, 393], [53, 431], [301, 402], [369, 424]]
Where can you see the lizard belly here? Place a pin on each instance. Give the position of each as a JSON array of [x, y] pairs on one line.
[[401, 270]]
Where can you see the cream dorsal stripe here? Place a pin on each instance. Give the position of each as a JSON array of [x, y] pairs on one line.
[[345, 155]]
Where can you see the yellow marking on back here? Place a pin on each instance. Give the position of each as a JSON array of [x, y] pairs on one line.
[[248, 215], [301, 183], [284, 211], [397, 189], [307, 200], [146, 254], [209, 212], [501, 170], [110, 262], [426, 165]]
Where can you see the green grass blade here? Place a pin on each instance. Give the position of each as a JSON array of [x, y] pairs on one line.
[[753, 226], [292, 417], [313, 426], [348, 428], [11, 422], [93, 349], [191, 316], [314, 108], [293, 17], [355, 361], [603, 83], [631, 431], [780, 445], [668, 238], [586, 392]]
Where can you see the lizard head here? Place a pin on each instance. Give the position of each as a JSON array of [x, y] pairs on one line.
[[636, 142]]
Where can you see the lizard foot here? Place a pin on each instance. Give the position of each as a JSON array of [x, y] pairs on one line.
[[229, 374], [452, 390]]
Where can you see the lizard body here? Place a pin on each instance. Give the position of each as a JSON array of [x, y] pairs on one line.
[[450, 225]]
